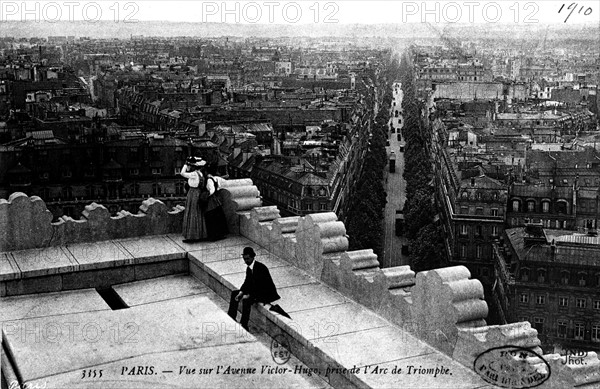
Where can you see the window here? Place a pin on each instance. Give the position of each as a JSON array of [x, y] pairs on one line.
[[579, 331], [515, 205], [525, 274], [133, 154], [582, 279], [596, 333], [478, 211], [564, 277], [545, 207], [67, 174], [464, 210], [156, 189], [561, 327], [478, 251], [538, 324], [67, 192], [530, 206], [541, 275], [524, 298], [479, 231], [323, 206], [494, 230], [90, 191], [494, 211], [156, 170], [540, 299], [596, 304], [463, 250], [580, 303], [134, 172], [309, 206], [464, 229], [563, 301]]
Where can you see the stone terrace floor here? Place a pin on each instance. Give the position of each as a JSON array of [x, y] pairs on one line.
[[61, 340]]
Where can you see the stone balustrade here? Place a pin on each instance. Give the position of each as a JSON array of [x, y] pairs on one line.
[[443, 307], [26, 223]]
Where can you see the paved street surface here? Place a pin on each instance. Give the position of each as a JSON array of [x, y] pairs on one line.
[[396, 191]]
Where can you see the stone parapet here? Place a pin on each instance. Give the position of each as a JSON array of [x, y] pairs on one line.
[[26, 223], [444, 307], [238, 196]]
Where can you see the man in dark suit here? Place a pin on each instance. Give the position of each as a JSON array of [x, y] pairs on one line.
[[257, 287]]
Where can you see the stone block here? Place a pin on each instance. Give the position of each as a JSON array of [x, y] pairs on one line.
[[101, 278], [193, 323], [51, 304], [46, 284], [25, 223], [198, 272], [356, 348], [98, 226], [8, 268], [99, 255], [474, 341], [156, 215], [152, 249], [160, 269], [262, 214], [302, 297], [159, 289], [398, 277], [286, 225], [451, 299], [44, 261]]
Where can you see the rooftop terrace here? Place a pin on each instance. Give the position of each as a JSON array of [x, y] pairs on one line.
[[123, 302]]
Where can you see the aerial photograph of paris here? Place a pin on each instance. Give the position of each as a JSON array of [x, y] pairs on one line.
[[299, 194]]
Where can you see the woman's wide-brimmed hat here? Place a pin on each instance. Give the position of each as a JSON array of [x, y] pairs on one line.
[[196, 161]]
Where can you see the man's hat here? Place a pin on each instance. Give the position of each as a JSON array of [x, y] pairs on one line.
[[249, 251]]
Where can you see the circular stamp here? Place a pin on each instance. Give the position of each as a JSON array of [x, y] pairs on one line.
[[280, 349], [512, 367]]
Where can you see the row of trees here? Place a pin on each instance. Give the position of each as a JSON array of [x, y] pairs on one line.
[[424, 235], [365, 218]]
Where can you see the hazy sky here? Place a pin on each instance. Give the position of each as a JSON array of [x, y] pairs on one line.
[[308, 11]]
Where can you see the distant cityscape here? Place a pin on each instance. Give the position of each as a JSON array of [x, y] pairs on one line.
[[513, 123]]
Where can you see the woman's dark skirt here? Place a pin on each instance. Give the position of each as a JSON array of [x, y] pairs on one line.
[[215, 219], [194, 223]]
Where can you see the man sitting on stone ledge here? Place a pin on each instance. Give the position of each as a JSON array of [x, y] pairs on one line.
[[257, 287]]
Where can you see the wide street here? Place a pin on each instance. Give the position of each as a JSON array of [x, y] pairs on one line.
[[395, 188]]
